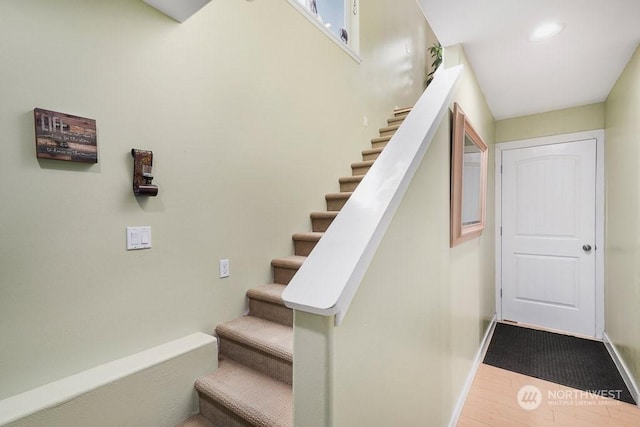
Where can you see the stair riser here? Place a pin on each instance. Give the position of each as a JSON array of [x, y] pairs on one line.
[[348, 187], [303, 247], [276, 368], [320, 224], [272, 312], [223, 417], [395, 121], [384, 132], [379, 144], [336, 204], [360, 170], [370, 156], [283, 275]]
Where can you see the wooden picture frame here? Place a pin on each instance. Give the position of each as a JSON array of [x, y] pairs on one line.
[[61, 136], [469, 154]]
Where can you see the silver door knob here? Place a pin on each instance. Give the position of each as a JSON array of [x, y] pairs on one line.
[[586, 248]]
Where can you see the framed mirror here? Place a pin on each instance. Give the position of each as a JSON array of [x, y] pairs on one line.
[[468, 179]]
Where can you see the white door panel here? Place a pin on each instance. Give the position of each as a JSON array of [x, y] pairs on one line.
[[546, 183], [535, 269], [548, 214]]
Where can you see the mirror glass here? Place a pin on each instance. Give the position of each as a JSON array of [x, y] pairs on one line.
[[471, 175], [468, 179]]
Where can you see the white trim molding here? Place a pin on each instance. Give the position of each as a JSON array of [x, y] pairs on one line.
[[350, 49], [622, 368], [598, 135], [482, 351]]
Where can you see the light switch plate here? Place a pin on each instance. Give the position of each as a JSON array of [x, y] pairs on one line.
[[138, 238], [224, 268]]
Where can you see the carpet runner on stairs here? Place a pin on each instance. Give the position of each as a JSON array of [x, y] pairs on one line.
[[252, 385]]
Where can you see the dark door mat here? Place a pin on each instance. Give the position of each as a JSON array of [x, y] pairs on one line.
[[574, 362]]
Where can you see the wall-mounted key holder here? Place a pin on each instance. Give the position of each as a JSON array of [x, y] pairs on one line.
[[142, 176]]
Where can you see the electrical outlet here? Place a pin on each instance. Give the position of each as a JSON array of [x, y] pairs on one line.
[[224, 268]]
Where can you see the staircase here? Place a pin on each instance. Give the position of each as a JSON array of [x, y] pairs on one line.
[[252, 385]]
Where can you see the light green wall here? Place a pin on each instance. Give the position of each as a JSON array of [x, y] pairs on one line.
[[587, 117], [313, 381], [622, 157], [405, 348], [156, 391], [251, 113], [473, 262]]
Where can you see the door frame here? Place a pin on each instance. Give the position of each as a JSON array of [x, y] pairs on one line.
[[598, 135]]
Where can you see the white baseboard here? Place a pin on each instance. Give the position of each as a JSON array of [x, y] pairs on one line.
[[622, 367], [476, 363]]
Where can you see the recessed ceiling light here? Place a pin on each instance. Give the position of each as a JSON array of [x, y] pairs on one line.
[[546, 31]]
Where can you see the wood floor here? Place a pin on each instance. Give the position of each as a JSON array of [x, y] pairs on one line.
[[495, 400]]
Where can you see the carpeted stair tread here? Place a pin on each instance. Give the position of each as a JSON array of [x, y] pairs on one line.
[[291, 261], [308, 236], [269, 337], [380, 142], [312, 236], [345, 179], [285, 268], [338, 196], [349, 183], [372, 153], [324, 215], [320, 221], [402, 110], [304, 243], [265, 301], [269, 292], [388, 129], [395, 120], [367, 163], [336, 201], [381, 138], [257, 398], [361, 168], [196, 421]]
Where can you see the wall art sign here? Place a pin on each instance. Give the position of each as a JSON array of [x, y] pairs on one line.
[[62, 136]]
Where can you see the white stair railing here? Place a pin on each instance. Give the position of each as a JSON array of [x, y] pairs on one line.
[[331, 275]]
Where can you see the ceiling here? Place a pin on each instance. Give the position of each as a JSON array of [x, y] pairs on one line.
[[518, 77]]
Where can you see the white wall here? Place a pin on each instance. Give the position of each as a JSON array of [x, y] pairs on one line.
[[251, 113]]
